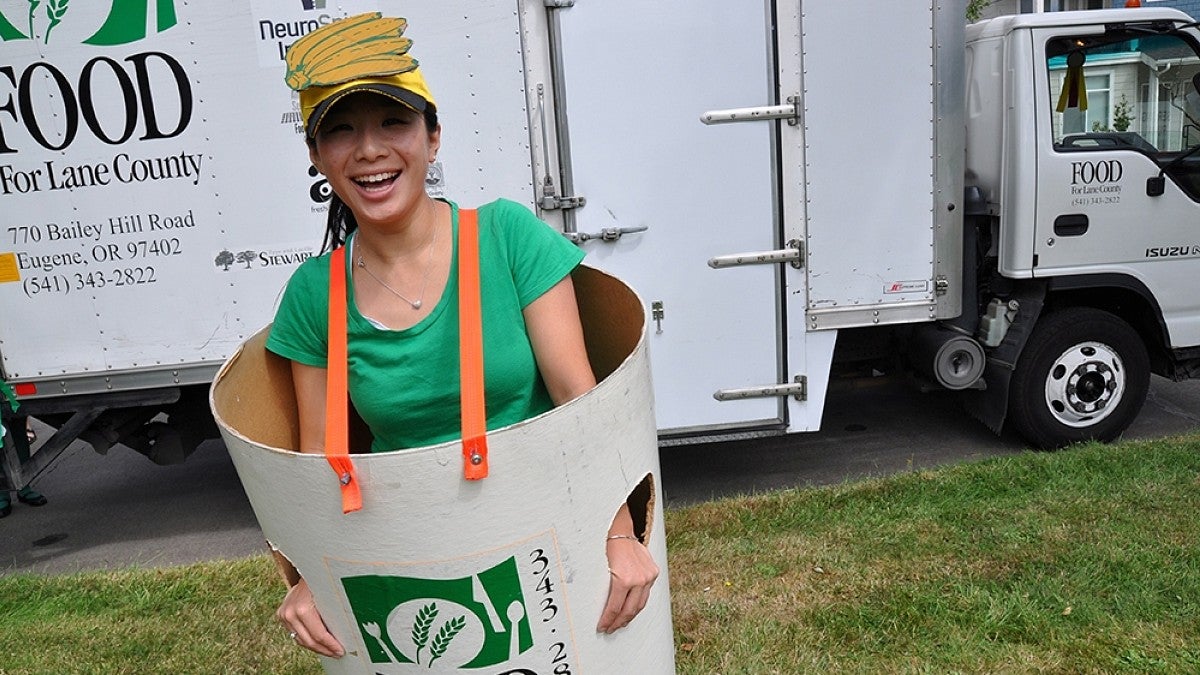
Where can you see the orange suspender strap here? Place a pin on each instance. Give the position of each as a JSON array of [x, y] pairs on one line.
[[470, 348], [474, 418], [337, 408]]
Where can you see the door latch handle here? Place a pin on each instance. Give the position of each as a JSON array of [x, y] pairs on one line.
[[1070, 225], [609, 234]]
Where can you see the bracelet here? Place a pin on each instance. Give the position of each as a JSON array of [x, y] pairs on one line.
[[624, 536]]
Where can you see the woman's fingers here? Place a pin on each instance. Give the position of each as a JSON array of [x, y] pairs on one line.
[[617, 592], [298, 614], [632, 573]]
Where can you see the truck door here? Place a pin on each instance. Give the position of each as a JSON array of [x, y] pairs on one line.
[[637, 77], [1114, 108]]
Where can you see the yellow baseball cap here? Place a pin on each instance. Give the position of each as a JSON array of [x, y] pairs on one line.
[[363, 53]]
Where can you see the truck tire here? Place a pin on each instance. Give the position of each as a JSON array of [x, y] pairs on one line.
[[1083, 376]]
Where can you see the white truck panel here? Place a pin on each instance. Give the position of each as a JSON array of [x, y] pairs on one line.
[[870, 149], [984, 112]]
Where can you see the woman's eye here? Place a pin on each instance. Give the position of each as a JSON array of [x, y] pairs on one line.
[[394, 120]]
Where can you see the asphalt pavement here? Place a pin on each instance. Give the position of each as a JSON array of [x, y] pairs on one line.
[[120, 510]]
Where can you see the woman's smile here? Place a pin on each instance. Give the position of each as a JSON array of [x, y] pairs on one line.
[[377, 181]]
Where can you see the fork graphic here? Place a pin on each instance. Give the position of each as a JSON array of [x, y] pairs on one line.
[[376, 632]]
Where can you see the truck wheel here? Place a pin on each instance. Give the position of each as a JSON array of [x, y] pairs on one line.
[[1083, 376]]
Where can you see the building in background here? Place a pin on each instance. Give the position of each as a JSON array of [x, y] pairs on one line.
[[999, 7]]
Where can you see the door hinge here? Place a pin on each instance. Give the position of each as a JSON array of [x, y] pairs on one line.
[[558, 4], [789, 111], [798, 389], [793, 254]]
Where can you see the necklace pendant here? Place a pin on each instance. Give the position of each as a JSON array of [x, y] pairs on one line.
[[416, 304]]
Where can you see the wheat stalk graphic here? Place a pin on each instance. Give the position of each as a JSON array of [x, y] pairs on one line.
[[33, 5], [421, 625], [442, 640], [55, 10]]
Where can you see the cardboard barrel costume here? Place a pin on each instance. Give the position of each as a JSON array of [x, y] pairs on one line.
[[436, 573]]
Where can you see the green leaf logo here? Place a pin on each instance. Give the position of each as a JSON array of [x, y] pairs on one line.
[[9, 31], [55, 9], [488, 621], [127, 21]]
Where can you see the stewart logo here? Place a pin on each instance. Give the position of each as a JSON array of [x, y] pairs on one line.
[[247, 259], [469, 622], [127, 21]]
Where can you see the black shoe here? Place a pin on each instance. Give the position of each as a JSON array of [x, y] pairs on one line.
[[6, 509], [28, 495]]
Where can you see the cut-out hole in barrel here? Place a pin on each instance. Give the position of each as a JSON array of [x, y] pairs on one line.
[[641, 507]]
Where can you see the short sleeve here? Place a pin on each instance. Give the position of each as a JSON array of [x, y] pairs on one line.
[[300, 330], [538, 255]]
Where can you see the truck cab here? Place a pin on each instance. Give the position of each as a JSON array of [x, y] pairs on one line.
[[1082, 138]]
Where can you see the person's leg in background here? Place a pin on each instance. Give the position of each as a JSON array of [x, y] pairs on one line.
[[25, 495]]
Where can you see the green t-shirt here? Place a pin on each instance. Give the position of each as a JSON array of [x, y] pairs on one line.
[[405, 383]]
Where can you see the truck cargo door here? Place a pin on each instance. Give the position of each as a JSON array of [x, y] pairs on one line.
[[638, 76], [883, 148], [1115, 108]]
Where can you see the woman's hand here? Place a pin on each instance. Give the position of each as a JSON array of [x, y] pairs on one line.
[[632, 572], [298, 613]]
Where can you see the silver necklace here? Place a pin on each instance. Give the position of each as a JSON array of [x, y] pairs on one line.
[[415, 304]]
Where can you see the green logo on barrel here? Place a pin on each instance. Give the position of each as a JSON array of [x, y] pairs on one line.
[[468, 622], [127, 21]]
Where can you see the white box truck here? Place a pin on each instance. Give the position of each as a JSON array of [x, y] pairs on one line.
[[799, 189]]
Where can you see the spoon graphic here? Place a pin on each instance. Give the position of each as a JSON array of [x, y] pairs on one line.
[[515, 612]]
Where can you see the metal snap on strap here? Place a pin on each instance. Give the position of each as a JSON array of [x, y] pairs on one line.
[[476, 458], [345, 479]]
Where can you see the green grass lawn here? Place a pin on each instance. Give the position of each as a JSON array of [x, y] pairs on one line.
[[1080, 561]]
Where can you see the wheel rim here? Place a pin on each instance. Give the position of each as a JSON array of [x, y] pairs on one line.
[[1085, 384]]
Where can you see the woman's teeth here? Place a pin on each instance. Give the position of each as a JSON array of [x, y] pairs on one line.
[[375, 179]]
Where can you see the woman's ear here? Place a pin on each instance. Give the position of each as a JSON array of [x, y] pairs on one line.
[[314, 157], [435, 143]]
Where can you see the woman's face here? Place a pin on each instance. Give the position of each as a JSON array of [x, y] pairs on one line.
[[375, 153]]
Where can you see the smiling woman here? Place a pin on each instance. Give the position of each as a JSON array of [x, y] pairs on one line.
[[371, 126]]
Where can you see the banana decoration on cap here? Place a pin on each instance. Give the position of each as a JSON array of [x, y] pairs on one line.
[[364, 45]]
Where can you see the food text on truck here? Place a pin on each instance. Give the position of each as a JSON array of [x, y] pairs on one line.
[[137, 90]]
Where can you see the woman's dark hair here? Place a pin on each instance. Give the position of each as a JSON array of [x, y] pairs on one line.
[[340, 222]]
